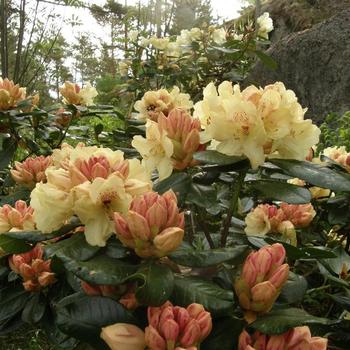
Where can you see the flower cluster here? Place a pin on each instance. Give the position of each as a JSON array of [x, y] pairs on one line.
[[155, 103], [255, 122], [34, 270], [261, 280], [17, 218], [89, 182], [298, 338], [171, 327], [153, 225], [265, 25], [339, 155], [31, 171], [75, 95], [170, 143], [124, 293], [266, 218], [10, 94]]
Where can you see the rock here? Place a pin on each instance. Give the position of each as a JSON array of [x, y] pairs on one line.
[[315, 64]]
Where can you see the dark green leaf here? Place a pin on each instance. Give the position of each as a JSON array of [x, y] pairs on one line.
[[205, 258], [115, 249], [189, 290], [281, 320], [157, 284], [178, 182], [83, 317], [7, 152], [282, 191], [34, 309], [294, 289], [101, 270], [224, 49], [315, 174], [341, 300], [214, 157], [12, 245], [267, 60], [203, 196], [73, 248]]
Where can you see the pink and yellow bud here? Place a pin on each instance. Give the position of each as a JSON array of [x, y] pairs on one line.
[[298, 338], [263, 275], [123, 336], [31, 171], [183, 130], [73, 94], [176, 327], [10, 94], [17, 218], [300, 215], [153, 225], [35, 271]]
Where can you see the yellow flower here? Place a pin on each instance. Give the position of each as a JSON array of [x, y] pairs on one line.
[[94, 203], [159, 43], [153, 103], [265, 25], [52, 206], [156, 150], [233, 122], [10, 94], [73, 94], [219, 36]]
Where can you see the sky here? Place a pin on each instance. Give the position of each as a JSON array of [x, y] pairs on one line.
[[226, 9]]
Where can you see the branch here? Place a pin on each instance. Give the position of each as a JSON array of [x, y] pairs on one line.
[[20, 40]]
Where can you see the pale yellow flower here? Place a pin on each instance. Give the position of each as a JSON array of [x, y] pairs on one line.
[[219, 36], [123, 68], [52, 206], [94, 203], [297, 182], [156, 150], [10, 94], [265, 25], [257, 222], [159, 43], [132, 35], [73, 94]]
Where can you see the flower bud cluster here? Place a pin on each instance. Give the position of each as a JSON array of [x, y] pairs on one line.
[[298, 338], [153, 226], [267, 218], [33, 268], [261, 280], [177, 327]]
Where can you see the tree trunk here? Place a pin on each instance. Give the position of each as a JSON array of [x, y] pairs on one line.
[[22, 17], [3, 26], [158, 13]]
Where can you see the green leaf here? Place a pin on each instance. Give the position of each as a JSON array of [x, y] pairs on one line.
[[224, 335], [178, 182], [341, 300], [12, 245], [115, 249], [34, 309], [12, 301], [215, 157], [282, 191], [281, 320], [335, 265], [204, 258], [224, 49], [294, 289], [267, 60], [73, 248], [189, 290], [203, 196], [315, 174], [157, 286], [38, 236], [83, 317], [101, 270], [7, 152]]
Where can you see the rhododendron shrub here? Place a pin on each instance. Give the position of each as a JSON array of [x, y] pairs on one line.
[[205, 222]]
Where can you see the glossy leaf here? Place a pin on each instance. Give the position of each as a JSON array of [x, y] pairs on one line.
[[178, 182], [156, 284], [101, 270], [203, 196], [315, 174], [215, 157], [83, 317], [294, 289], [189, 290], [281, 191], [281, 320], [188, 256], [12, 245]]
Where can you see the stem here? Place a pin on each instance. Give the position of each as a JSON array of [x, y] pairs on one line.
[[317, 289], [232, 210], [205, 230]]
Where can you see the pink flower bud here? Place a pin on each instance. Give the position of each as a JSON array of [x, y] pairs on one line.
[[170, 331], [299, 215], [168, 240], [317, 343], [280, 276], [263, 296], [244, 340], [31, 171], [153, 339], [182, 317], [123, 336], [191, 335], [276, 342]]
